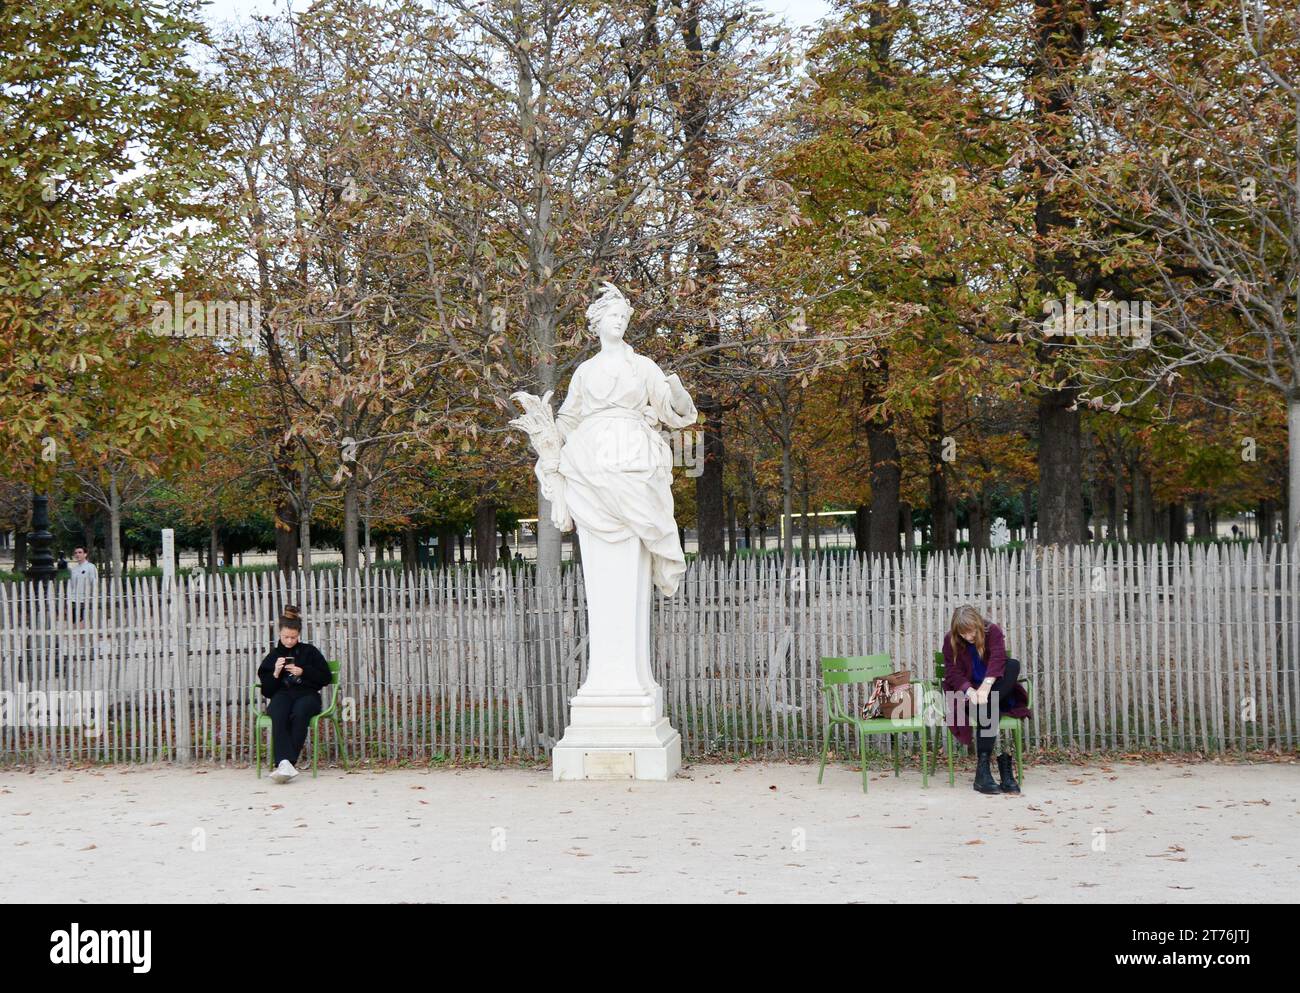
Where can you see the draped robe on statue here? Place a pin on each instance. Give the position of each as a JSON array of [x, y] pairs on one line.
[[616, 465]]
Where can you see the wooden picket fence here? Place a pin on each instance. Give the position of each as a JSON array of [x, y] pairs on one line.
[[1189, 648]]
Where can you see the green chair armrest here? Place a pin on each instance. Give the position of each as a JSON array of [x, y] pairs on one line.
[[334, 699], [336, 678]]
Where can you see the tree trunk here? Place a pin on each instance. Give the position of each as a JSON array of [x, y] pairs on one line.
[[1200, 517], [906, 526], [541, 312], [1264, 520], [696, 116], [351, 521], [20, 549], [885, 478], [1143, 519], [1061, 35], [285, 512], [1293, 467], [862, 529], [940, 537], [213, 551], [447, 544], [286, 535], [885, 474], [1060, 467], [803, 531], [304, 521], [485, 534], [787, 488], [1135, 515], [731, 525], [1176, 523], [117, 567], [366, 556], [88, 537], [977, 520], [709, 498], [1115, 504]]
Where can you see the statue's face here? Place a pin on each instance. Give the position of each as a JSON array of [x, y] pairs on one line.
[[614, 322]]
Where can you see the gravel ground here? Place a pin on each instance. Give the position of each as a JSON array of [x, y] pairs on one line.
[[1126, 831]]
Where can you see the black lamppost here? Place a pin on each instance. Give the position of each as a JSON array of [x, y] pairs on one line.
[[40, 561]]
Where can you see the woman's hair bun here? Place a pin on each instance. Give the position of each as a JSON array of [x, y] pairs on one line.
[[290, 612]]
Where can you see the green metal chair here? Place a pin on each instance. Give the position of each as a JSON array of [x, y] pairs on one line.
[[837, 672], [1016, 725], [330, 713]]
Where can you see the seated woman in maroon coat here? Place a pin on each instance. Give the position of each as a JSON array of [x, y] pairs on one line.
[[980, 685]]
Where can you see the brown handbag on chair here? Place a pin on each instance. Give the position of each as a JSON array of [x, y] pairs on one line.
[[892, 697]]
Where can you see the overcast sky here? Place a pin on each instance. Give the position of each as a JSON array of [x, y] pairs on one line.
[[799, 12]]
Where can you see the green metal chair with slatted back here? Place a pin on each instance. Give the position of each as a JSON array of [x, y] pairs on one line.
[[839, 672], [1016, 725], [330, 713]]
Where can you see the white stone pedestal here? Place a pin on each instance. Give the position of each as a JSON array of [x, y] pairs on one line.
[[617, 728]]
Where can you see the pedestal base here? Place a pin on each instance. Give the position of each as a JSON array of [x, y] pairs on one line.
[[617, 728], [593, 751]]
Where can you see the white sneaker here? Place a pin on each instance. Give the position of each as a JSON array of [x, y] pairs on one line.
[[284, 772]]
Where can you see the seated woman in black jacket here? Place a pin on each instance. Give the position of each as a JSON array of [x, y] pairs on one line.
[[292, 677]]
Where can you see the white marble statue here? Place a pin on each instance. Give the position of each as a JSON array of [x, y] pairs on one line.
[[605, 465], [999, 534]]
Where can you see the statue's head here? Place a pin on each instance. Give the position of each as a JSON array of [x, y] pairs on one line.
[[609, 313]]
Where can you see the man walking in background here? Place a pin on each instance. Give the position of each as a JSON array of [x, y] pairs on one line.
[[82, 578]]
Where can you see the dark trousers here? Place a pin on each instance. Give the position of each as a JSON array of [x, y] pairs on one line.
[[290, 717], [986, 718]]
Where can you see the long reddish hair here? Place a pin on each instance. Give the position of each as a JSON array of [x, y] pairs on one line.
[[963, 618]]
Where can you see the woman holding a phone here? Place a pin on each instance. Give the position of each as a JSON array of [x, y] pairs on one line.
[[292, 676]]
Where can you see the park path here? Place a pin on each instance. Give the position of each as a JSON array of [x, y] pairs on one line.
[[1172, 831]]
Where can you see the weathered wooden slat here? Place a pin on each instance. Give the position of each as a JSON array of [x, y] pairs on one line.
[[1130, 647]]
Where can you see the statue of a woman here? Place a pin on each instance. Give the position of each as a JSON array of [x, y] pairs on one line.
[[604, 464]]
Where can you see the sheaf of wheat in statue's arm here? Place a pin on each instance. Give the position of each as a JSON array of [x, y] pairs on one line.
[[602, 459], [538, 423]]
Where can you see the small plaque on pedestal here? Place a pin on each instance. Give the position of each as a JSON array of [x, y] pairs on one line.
[[608, 765]]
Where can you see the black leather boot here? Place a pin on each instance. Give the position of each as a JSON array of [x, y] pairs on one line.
[[984, 776], [1006, 768]]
